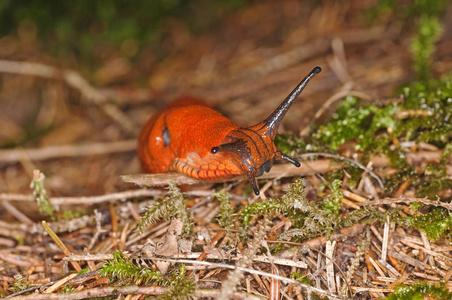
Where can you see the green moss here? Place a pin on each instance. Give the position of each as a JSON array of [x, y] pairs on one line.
[[72, 214], [420, 290], [383, 119], [424, 115], [83, 271], [430, 106], [285, 143], [352, 122], [120, 268], [348, 123], [332, 205], [182, 286], [289, 143], [40, 194], [268, 207], [66, 289], [355, 176], [435, 179], [310, 218], [365, 215], [301, 278], [20, 283], [172, 206], [394, 182], [423, 45], [436, 224], [225, 217], [320, 222], [293, 204]]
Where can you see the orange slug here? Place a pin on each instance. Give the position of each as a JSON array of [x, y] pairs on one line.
[[190, 138]]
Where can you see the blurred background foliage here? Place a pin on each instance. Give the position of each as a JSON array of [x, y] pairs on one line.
[[77, 32], [409, 8], [84, 34]]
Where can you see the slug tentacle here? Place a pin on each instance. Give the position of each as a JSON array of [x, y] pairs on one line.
[[271, 124], [253, 182], [289, 159]]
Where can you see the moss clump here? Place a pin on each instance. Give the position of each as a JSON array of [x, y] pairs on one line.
[[435, 224], [424, 115], [435, 179], [172, 206], [72, 214], [293, 200], [40, 194], [182, 286], [225, 217], [332, 205], [309, 218], [67, 289], [349, 122], [120, 268], [420, 290], [301, 278], [426, 112], [20, 283], [423, 45], [289, 143]]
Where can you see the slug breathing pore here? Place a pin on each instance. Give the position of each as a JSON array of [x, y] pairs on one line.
[[252, 148]]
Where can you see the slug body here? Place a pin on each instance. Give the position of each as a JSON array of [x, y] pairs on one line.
[[191, 138]]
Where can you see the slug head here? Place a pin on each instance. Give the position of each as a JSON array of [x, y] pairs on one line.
[[252, 149]]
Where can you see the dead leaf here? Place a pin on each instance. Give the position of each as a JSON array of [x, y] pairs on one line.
[[168, 245], [185, 245]]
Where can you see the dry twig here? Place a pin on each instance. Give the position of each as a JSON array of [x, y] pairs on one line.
[[53, 152], [73, 79]]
